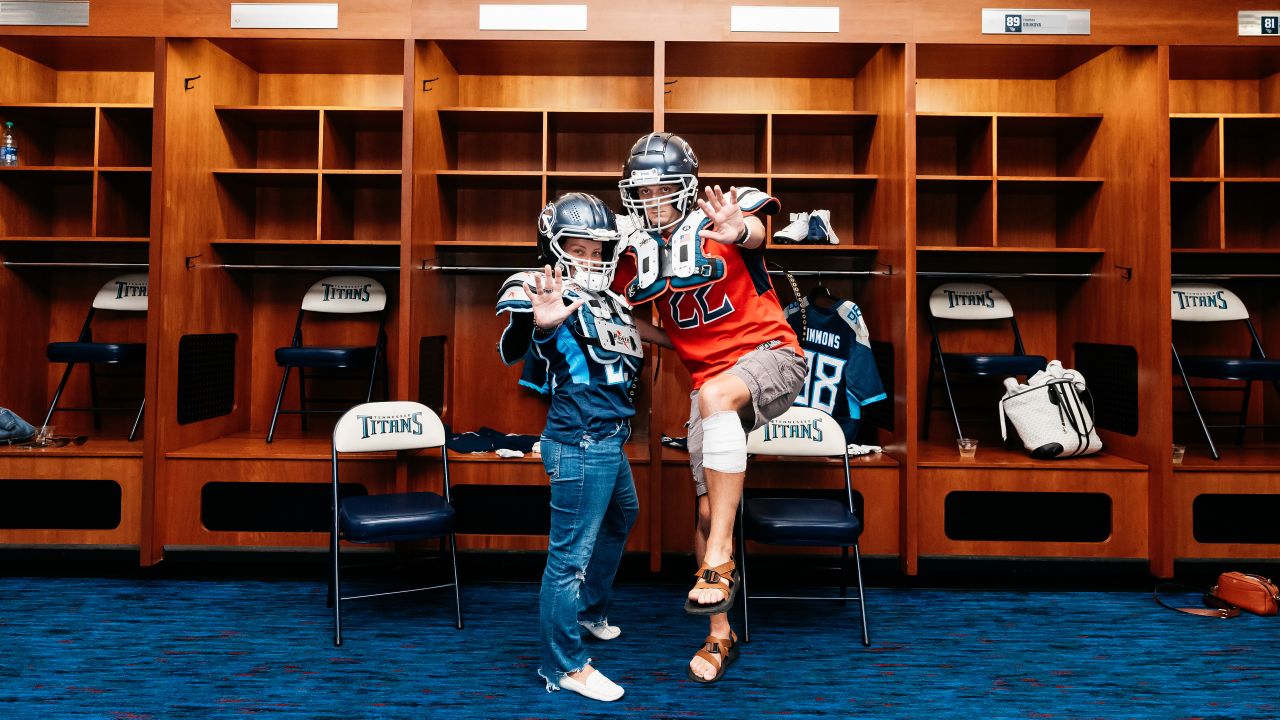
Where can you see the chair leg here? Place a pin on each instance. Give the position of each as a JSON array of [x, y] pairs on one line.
[[844, 574], [336, 590], [862, 598], [53, 407], [302, 396], [951, 400], [275, 415], [457, 594], [742, 570], [928, 398], [1195, 407], [93, 398], [137, 420], [1244, 412]]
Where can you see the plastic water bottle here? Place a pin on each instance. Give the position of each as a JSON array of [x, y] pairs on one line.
[[8, 151]]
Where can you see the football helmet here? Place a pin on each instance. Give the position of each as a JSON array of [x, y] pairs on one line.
[[579, 215], [659, 159]]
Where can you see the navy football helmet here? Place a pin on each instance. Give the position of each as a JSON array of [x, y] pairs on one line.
[[659, 159], [579, 215]]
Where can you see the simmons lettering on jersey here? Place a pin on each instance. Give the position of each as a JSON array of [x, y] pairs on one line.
[[842, 376]]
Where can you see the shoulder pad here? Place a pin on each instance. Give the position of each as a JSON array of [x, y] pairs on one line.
[[850, 313], [791, 309], [755, 202], [512, 298]]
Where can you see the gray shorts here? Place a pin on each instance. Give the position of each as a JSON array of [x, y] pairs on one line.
[[775, 378]]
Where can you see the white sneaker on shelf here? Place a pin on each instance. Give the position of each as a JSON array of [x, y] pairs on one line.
[[597, 687], [820, 230], [796, 231], [601, 630]]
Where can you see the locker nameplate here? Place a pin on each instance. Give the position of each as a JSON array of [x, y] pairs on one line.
[[1003, 21], [309, 16], [44, 12], [1256, 23], [533, 17], [774, 18]]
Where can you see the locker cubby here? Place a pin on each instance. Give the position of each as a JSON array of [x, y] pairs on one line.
[[271, 206], [726, 144], [593, 142], [954, 145], [362, 139], [124, 204], [954, 213], [849, 201], [271, 138], [1046, 214], [1196, 215], [1055, 146], [1250, 213], [1251, 147], [1194, 144], [124, 137], [46, 203], [490, 211], [483, 140], [835, 143], [50, 135], [360, 207]]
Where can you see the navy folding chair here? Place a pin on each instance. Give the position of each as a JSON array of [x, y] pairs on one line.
[[811, 522], [125, 293], [340, 294], [1206, 303], [389, 517], [969, 302]]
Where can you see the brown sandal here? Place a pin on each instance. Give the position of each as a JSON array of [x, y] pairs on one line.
[[720, 652], [709, 578]]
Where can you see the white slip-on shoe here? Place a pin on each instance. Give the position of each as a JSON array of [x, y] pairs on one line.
[[820, 230], [601, 630], [796, 231], [597, 687]]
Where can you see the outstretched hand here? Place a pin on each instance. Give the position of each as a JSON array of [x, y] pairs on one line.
[[727, 221], [546, 294]]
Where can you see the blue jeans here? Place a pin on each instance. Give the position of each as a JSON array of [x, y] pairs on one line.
[[593, 506]]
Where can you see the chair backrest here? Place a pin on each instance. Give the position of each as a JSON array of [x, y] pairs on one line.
[[127, 293], [799, 432], [348, 294], [969, 301], [395, 425], [1205, 302]]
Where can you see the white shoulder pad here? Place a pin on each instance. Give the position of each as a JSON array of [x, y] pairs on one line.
[[791, 309], [512, 297], [756, 202], [852, 316]]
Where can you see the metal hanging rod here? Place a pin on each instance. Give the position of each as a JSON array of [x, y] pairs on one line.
[[298, 268], [1226, 276], [483, 269], [1004, 275], [118, 266]]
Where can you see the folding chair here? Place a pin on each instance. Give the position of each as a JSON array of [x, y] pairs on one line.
[[972, 302], [390, 517], [811, 522], [125, 293], [339, 294], [1203, 303]]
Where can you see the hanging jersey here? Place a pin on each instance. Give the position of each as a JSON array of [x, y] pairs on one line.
[[842, 374], [589, 383]]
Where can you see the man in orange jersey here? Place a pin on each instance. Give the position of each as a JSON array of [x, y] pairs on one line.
[[700, 259]]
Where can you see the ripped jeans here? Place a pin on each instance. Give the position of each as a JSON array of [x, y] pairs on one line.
[[593, 506]]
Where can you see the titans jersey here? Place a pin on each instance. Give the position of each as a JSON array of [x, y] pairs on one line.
[[842, 370], [589, 385], [715, 324]]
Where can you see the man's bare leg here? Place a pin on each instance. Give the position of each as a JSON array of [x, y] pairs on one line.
[[719, 623], [723, 393]]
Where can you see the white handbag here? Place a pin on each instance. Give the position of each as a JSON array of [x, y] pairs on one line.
[[1049, 413]]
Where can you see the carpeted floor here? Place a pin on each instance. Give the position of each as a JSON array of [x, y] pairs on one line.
[[145, 648]]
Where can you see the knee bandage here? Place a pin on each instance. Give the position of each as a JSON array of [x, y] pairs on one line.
[[724, 443]]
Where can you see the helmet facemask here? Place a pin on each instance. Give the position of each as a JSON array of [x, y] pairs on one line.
[[646, 213]]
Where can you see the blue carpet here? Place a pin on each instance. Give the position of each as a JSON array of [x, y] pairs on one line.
[[119, 649]]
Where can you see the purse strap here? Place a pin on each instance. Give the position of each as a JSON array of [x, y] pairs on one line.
[[1218, 608]]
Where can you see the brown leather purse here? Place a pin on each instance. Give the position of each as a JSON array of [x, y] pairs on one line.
[[1234, 592]]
